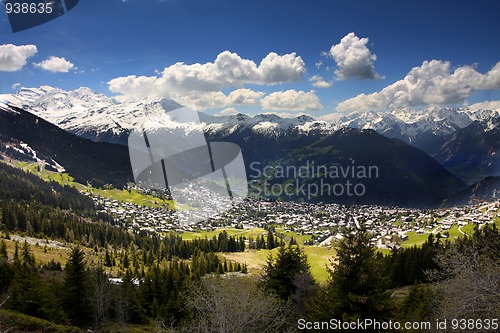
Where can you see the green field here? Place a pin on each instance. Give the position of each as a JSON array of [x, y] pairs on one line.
[[256, 259], [11, 321], [131, 196], [415, 239], [468, 229], [257, 232], [319, 258], [385, 252], [454, 232], [298, 237]]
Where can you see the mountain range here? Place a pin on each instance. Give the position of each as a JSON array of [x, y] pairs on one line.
[[98, 117], [417, 127], [405, 144], [472, 152]]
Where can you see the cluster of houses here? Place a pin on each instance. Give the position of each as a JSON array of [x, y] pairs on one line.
[[325, 223], [137, 217]]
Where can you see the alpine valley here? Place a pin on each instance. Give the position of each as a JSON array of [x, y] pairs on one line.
[[422, 157]]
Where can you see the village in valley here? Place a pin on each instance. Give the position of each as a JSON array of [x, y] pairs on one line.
[[321, 223]]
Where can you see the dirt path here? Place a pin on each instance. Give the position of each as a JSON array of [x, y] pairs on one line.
[[38, 242]]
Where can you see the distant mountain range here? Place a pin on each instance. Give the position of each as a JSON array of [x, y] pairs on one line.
[[472, 153], [463, 141], [100, 118], [420, 128], [487, 189]]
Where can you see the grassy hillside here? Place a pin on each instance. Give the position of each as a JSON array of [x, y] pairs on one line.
[[16, 322], [131, 196]]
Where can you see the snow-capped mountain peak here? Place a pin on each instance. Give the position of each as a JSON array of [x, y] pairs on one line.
[[98, 117], [267, 124], [410, 125], [88, 113]]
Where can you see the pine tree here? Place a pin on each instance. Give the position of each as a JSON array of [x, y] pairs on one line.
[[76, 288], [262, 242], [281, 272], [5, 269], [29, 228], [17, 261], [107, 259], [3, 250], [220, 269], [270, 240], [135, 311], [358, 285], [28, 259], [126, 262]]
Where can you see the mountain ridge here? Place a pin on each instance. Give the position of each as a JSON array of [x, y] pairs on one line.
[[100, 118], [97, 162], [472, 152]]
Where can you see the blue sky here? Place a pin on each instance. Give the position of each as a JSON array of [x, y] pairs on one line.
[[320, 57]]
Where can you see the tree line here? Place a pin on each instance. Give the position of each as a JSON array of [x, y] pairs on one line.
[[18, 185]]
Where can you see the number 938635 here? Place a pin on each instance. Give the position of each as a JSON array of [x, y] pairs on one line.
[[28, 8]]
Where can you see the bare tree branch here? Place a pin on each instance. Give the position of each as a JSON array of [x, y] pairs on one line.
[[1, 304]]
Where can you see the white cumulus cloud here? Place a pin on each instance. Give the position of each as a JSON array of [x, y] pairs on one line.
[[332, 117], [227, 112], [245, 97], [16, 86], [434, 83], [219, 99], [56, 65], [319, 82], [486, 105], [353, 58], [13, 57], [292, 100], [288, 114], [228, 70]]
